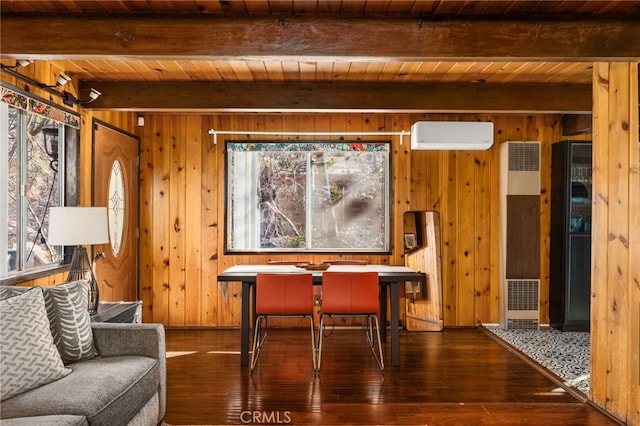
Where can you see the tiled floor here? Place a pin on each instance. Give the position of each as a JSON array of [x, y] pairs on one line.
[[565, 353]]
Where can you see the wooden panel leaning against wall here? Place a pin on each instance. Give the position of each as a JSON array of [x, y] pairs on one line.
[[182, 211]]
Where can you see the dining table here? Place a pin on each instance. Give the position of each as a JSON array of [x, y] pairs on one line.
[[389, 277]]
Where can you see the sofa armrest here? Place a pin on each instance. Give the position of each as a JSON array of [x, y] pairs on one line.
[[119, 339], [125, 339]]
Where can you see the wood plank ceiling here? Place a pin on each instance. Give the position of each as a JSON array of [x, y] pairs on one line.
[[337, 51]]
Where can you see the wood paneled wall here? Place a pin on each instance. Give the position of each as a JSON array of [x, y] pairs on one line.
[[182, 210], [182, 205], [615, 270]]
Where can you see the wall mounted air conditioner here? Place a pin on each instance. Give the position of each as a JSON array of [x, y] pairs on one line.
[[451, 135]]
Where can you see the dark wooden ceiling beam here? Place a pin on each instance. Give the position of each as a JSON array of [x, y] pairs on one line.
[[317, 38], [409, 97]]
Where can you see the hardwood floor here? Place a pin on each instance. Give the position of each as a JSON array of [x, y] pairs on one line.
[[458, 376]]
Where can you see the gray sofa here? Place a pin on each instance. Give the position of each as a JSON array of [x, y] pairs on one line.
[[123, 385], [59, 368]]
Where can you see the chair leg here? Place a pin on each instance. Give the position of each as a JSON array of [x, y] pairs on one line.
[[319, 351], [370, 338], [258, 340], [379, 357], [369, 333], [313, 343]]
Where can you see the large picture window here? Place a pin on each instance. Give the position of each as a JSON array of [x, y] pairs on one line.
[[32, 179], [315, 196]]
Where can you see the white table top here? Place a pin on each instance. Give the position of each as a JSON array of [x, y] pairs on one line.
[[244, 272]]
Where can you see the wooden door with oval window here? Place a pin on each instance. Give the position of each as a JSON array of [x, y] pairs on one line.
[[115, 186]]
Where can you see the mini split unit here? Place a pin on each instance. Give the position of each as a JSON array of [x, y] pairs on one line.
[[451, 135]]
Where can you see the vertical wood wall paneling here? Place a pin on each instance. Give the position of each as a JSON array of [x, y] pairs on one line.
[[450, 240], [224, 293], [482, 236], [499, 123], [229, 301], [615, 282], [401, 202], [633, 373], [402, 189], [178, 222], [161, 218], [465, 254], [618, 227], [599, 237], [549, 129], [211, 200], [194, 138], [147, 198], [545, 129]]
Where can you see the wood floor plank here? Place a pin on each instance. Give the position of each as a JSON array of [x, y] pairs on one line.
[[457, 376]]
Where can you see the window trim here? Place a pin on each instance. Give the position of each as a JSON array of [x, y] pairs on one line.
[[388, 225]]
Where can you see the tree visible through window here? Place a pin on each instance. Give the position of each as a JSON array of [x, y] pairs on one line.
[[308, 196], [32, 178]]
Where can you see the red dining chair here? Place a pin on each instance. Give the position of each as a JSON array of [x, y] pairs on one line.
[[345, 262], [282, 295], [351, 294]]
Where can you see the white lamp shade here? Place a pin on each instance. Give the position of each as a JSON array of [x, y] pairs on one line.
[[74, 226]]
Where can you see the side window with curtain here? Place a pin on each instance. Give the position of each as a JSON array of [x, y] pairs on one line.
[[33, 173]]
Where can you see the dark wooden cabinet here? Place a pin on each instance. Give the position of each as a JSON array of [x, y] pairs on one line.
[[570, 253]]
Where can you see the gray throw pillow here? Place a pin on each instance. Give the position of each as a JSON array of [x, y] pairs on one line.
[[28, 357], [67, 309]]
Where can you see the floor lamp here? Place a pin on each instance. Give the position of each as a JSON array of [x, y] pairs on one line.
[[78, 227]]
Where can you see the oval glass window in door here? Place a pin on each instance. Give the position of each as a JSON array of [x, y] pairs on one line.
[[116, 208]]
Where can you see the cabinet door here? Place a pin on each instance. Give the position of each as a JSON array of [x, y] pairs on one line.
[[580, 198], [579, 288]]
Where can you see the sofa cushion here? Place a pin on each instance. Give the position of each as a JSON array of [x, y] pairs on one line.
[[62, 420], [107, 391], [67, 309], [28, 357]]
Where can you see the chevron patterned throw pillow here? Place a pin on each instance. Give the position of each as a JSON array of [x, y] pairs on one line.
[[67, 309], [28, 357]]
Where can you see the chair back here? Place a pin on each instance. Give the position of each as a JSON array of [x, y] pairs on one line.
[[350, 292], [284, 294]]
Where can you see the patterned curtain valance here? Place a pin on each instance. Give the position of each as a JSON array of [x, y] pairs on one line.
[[38, 106], [315, 146]]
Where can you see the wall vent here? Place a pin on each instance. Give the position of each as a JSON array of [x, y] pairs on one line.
[[523, 304], [524, 295], [524, 157], [522, 168], [519, 324]]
